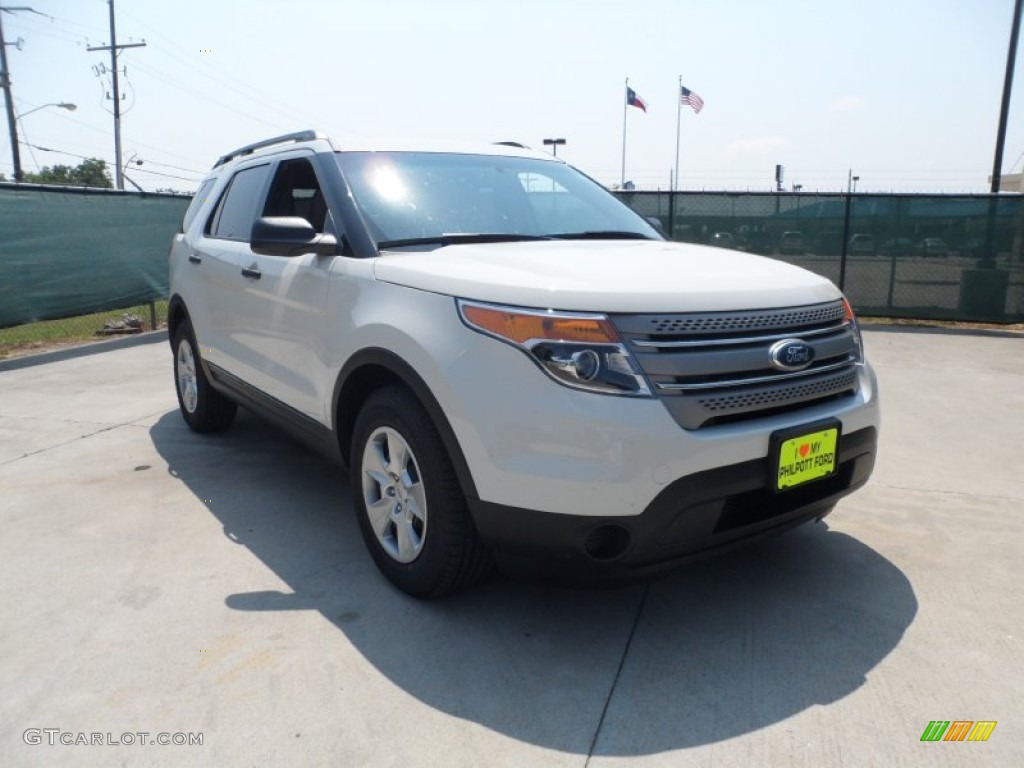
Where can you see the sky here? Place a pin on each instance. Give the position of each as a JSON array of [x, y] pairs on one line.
[[905, 93]]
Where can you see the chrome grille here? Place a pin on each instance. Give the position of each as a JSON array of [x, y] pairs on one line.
[[780, 395], [728, 322], [711, 367]]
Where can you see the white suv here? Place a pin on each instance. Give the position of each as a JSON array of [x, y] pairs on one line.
[[514, 365]]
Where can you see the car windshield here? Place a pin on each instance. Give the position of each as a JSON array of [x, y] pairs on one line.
[[434, 199]]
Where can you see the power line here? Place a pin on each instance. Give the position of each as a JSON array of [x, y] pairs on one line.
[[31, 25], [213, 99], [91, 127], [253, 94], [176, 167], [63, 152], [94, 157], [165, 175]]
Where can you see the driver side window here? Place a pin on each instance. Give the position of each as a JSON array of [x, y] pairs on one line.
[[295, 191]]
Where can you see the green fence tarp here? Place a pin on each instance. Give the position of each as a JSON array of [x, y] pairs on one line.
[[898, 255], [67, 251]]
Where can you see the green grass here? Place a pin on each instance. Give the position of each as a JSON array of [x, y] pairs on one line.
[[46, 334]]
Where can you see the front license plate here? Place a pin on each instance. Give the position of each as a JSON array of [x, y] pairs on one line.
[[804, 456]]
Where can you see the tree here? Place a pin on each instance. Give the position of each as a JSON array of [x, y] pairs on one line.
[[91, 172]]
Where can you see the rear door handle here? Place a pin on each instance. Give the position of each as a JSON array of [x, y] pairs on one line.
[[252, 272], [194, 259]]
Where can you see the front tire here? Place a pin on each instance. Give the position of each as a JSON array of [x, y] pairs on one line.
[[203, 408], [412, 512]]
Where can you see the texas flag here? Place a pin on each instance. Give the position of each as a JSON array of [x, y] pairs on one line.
[[633, 100]]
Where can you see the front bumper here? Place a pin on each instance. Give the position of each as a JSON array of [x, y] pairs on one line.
[[694, 516]]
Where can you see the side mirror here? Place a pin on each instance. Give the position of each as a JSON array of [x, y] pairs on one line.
[[290, 236]]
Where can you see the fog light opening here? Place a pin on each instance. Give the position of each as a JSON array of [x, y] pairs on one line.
[[607, 542]]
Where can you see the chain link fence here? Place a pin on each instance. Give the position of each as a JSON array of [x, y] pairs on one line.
[[948, 257], [82, 264]]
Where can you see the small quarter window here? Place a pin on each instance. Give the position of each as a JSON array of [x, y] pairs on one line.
[[198, 201]]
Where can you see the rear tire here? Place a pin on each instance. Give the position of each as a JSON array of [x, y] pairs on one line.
[[412, 511], [203, 408]]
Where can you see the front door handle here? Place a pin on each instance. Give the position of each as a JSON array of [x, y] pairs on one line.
[[252, 272], [194, 259]]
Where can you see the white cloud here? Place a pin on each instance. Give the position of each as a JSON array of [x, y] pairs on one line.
[[759, 145], [848, 104]]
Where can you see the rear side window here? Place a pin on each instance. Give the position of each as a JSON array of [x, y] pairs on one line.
[[237, 209], [198, 201]]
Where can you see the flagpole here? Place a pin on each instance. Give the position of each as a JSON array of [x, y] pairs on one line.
[[625, 106], [679, 120]]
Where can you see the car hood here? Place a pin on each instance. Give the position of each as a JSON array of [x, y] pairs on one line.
[[606, 276]]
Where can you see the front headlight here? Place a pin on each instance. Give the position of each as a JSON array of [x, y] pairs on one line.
[[583, 351], [850, 318]]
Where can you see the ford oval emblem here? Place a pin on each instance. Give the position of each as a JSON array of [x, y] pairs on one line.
[[791, 355]]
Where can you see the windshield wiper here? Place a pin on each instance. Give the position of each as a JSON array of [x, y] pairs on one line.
[[603, 234], [460, 238]]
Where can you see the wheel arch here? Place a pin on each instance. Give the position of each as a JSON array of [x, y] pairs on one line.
[[369, 370], [177, 313]]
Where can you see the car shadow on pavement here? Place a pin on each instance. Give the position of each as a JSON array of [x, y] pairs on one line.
[[721, 647]]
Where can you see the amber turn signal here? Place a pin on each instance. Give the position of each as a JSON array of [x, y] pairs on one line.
[[521, 327]]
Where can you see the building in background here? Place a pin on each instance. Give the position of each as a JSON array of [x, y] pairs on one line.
[[1010, 182]]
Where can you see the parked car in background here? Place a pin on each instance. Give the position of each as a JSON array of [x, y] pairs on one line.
[[897, 246], [932, 246], [792, 243], [862, 245], [973, 247], [723, 240], [756, 241]]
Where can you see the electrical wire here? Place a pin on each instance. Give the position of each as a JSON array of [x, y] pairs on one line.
[[193, 92], [62, 152], [253, 94], [106, 132], [32, 30], [135, 169], [174, 167]]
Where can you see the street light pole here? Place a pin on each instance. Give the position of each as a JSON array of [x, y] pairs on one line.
[[62, 104], [554, 144]]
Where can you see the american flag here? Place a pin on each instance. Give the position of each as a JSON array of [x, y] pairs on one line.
[[686, 96]]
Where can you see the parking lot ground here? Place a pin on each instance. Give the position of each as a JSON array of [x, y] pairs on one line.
[[153, 580]]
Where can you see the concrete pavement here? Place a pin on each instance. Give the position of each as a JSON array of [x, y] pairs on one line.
[[153, 580]]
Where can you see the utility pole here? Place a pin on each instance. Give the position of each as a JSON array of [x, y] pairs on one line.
[[1011, 58], [5, 82], [114, 48]]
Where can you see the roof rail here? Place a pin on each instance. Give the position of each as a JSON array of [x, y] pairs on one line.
[[511, 144], [288, 137]]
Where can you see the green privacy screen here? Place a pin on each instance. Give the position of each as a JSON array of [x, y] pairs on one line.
[[949, 257], [66, 252]]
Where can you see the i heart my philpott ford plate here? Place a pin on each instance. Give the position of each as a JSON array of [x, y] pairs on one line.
[[803, 456]]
